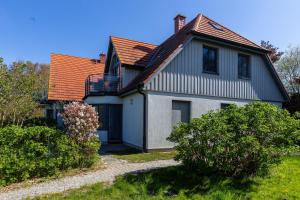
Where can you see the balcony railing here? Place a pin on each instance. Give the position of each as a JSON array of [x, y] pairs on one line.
[[101, 84]]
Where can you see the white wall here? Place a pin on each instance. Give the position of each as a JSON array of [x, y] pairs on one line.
[[159, 117], [133, 120], [103, 100], [102, 135]]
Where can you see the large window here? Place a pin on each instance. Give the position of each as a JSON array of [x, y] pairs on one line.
[[210, 60], [243, 66]]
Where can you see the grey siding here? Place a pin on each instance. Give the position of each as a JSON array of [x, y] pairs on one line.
[[184, 75], [128, 75], [133, 120]]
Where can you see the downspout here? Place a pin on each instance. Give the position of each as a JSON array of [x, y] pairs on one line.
[[141, 91]]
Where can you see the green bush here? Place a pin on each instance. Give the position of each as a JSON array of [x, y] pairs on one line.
[[236, 141], [39, 121], [40, 151]]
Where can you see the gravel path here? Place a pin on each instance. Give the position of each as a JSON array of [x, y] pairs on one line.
[[114, 168]]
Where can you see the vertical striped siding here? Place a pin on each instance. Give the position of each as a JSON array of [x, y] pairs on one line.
[[128, 75], [184, 75]]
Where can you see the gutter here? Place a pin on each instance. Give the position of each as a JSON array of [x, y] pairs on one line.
[[141, 91]]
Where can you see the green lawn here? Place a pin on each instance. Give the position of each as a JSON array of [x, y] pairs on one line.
[[283, 182], [134, 156]]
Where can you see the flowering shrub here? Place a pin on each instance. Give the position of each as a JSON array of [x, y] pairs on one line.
[[237, 141], [81, 121]]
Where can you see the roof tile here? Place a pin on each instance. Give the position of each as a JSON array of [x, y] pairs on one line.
[[68, 75]]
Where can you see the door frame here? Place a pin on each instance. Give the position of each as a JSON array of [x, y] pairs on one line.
[[120, 140]]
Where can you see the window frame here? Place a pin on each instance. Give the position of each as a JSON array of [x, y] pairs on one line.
[[248, 66], [104, 126], [189, 109], [225, 105], [204, 70]]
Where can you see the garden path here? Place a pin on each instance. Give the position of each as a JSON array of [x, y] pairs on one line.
[[114, 168]]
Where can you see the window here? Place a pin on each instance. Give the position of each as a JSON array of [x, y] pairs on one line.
[[225, 105], [102, 110], [210, 57], [243, 66], [49, 114], [180, 112], [216, 26], [114, 65]]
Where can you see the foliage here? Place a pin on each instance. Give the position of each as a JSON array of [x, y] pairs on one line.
[[289, 69], [182, 184], [40, 151], [275, 54], [236, 141], [80, 120], [21, 85], [39, 121]]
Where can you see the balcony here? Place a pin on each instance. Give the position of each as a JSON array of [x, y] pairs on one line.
[[102, 84]]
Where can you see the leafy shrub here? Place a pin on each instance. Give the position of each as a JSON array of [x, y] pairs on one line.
[[236, 141], [39, 121], [80, 120], [40, 151]]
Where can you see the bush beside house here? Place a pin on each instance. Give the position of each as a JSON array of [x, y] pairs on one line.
[[39, 151], [237, 141]]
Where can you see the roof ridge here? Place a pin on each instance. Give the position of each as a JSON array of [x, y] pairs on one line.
[[198, 20], [133, 40], [74, 56], [159, 47], [233, 32]]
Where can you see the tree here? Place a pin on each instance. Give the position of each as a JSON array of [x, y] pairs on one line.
[[289, 69], [274, 54], [21, 85]]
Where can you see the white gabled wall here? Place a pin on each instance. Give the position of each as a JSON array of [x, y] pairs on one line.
[[159, 117], [133, 120]]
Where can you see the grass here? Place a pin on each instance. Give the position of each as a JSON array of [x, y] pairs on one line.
[[283, 182], [135, 156]]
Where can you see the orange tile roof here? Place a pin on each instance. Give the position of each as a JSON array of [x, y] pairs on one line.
[[200, 25], [68, 75], [207, 26], [132, 52]]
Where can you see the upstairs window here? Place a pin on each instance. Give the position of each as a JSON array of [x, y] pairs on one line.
[[243, 66], [210, 60], [114, 65]]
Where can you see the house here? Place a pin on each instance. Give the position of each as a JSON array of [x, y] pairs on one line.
[[146, 89], [67, 81]]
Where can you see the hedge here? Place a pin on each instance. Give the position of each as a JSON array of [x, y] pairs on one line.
[[41, 151]]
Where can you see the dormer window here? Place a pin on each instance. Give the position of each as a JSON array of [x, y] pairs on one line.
[[216, 26]]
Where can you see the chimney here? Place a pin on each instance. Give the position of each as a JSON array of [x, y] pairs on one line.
[[102, 57], [179, 22]]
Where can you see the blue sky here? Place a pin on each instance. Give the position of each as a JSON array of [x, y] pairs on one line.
[[32, 29]]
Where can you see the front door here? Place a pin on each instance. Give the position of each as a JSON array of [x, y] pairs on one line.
[[115, 123]]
